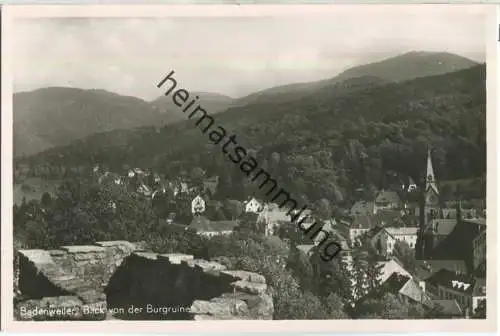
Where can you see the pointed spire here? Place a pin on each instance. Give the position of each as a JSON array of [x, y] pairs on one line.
[[430, 178]]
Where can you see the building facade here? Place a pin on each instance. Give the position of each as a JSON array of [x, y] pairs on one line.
[[197, 205], [386, 200], [479, 249], [253, 206], [467, 290], [385, 240]]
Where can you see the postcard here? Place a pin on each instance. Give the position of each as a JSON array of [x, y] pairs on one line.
[[314, 168]]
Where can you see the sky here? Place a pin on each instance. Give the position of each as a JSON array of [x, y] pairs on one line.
[[234, 56]]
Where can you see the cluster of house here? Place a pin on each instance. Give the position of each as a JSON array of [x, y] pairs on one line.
[[449, 245], [449, 242], [269, 214], [152, 185]]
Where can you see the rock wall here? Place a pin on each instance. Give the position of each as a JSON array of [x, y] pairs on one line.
[[120, 280]]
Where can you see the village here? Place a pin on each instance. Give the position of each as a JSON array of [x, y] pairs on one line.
[[287, 168], [443, 246]]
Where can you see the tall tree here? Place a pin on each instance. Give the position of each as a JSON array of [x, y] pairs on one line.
[[302, 269], [233, 209], [323, 209]]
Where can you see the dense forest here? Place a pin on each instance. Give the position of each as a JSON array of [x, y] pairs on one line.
[[362, 132], [56, 116]]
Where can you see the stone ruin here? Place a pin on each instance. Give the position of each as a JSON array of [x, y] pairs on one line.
[[120, 280]]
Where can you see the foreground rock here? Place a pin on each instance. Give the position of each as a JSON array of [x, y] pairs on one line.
[[120, 280]]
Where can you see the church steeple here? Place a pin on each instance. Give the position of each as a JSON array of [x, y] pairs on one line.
[[430, 182], [432, 203]]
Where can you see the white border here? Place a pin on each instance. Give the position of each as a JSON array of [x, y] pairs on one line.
[[18, 11]]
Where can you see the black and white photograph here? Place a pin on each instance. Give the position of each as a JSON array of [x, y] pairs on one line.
[[254, 167]]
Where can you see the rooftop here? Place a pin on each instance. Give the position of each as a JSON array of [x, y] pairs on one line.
[[390, 267], [477, 221], [412, 290], [362, 208], [362, 222], [396, 281], [373, 232], [386, 216], [201, 223], [425, 268], [441, 227], [402, 231], [408, 287], [450, 307], [306, 248], [457, 281], [254, 199], [387, 196], [211, 184]]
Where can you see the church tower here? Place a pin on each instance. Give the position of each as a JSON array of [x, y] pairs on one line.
[[431, 193], [429, 209]]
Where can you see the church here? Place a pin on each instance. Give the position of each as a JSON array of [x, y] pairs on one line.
[[443, 238]]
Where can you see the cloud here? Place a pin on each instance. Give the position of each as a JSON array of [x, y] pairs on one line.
[[233, 56]]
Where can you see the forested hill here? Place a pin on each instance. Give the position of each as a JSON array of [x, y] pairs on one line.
[[400, 68], [212, 102], [411, 65], [56, 116], [327, 142]]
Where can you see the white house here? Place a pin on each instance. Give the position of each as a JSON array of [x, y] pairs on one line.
[[207, 228], [406, 234], [253, 206], [272, 216], [386, 199], [385, 239], [409, 186], [197, 205]]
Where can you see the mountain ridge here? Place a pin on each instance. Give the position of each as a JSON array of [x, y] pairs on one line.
[[56, 116]]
